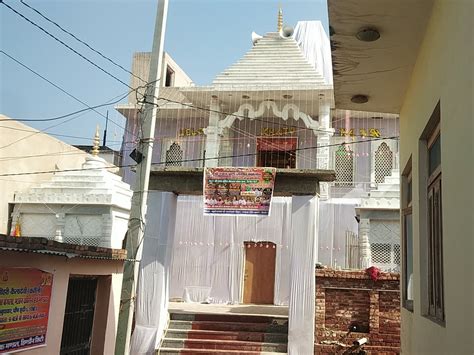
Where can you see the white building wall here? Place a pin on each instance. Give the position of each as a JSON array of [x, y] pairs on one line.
[[38, 152], [443, 71]]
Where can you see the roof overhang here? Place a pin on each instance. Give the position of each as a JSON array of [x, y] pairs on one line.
[[233, 96], [189, 181], [188, 101], [381, 69]]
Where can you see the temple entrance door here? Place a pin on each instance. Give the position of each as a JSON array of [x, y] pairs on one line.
[[277, 152], [259, 272]]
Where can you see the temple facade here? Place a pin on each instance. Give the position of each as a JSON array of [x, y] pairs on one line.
[[272, 108]]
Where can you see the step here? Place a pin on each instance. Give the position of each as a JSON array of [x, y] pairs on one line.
[[171, 351], [233, 318], [229, 335], [222, 345], [229, 326]]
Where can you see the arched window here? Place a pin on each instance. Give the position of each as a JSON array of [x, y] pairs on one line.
[[383, 162], [344, 166], [174, 155]]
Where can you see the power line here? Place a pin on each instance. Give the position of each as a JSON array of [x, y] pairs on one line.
[[194, 160], [51, 134], [59, 88], [66, 115], [80, 40], [56, 125], [241, 116], [77, 151], [64, 44], [50, 82]]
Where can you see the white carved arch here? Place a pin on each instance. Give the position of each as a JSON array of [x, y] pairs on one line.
[[247, 111]]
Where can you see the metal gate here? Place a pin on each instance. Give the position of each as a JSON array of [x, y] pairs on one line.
[[79, 316]]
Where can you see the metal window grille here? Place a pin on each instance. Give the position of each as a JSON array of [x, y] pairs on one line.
[[385, 244], [344, 166], [174, 155], [381, 253], [397, 255], [352, 250], [383, 162]]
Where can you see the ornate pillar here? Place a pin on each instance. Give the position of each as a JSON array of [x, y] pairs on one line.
[[226, 148], [324, 134], [365, 253], [106, 237], [213, 133], [60, 226]]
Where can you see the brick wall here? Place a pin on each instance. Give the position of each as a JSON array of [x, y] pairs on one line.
[[351, 297]]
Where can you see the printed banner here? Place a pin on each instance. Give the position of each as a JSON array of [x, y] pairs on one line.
[[238, 191], [25, 294]]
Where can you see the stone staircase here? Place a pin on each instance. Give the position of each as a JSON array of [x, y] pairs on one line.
[[198, 333]]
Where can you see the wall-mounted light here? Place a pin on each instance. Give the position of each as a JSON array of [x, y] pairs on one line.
[[246, 97], [359, 99], [368, 34], [287, 96]]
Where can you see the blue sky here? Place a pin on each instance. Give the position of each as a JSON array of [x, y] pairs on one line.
[[203, 37]]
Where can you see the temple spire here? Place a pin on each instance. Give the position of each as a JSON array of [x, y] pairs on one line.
[[95, 148], [280, 20]]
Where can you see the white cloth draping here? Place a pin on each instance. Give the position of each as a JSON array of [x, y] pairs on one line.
[[153, 284], [208, 251], [315, 46], [336, 218], [187, 253]]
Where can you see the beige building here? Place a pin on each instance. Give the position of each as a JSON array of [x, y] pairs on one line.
[[64, 248], [84, 300], [24, 149], [418, 61]]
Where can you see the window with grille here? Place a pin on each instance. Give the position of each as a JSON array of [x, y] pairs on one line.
[[434, 292], [344, 166], [407, 238], [174, 155], [381, 253], [385, 244], [396, 254], [383, 162]]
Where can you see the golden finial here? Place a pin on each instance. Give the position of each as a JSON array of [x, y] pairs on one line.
[[95, 147], [280, 20]]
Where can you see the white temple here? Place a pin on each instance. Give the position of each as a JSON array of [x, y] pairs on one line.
[[273, 107], [89, 205]]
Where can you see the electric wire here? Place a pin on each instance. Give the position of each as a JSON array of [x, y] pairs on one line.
[[57, 134], [61, 123], [50, 82], [194, 160], [61, 89], [64, 44], [68, 114], [79, 40], [241, 116]]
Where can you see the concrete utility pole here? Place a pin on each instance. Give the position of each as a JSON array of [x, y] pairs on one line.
[[140, 192]]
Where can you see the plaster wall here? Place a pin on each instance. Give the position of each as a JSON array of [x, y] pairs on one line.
[[443, 72], [180, 79], [141, 69], [39, 152], [62, 268]]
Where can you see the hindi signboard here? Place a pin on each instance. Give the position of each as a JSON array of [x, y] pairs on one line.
[[232, 191], [25, 295]]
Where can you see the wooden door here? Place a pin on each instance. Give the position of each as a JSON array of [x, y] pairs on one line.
[[259, 272]]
